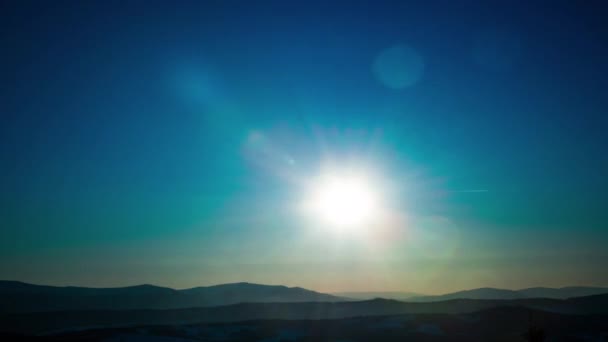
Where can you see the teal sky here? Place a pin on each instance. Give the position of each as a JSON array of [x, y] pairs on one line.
[[152, 143]]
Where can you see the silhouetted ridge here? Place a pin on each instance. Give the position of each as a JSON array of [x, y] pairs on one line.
[[536, 292], [23, 297]]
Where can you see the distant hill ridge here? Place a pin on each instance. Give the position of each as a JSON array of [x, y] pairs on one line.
[[18, 296], [533, 292], [483, 293]]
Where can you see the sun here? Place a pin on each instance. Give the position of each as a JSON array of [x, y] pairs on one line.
[[344, 200]]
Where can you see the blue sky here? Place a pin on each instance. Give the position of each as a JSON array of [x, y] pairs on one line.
[[151, 142]]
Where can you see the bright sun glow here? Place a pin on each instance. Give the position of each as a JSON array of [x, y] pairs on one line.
[[344, 201]]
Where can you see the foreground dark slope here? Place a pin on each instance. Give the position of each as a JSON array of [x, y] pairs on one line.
[[497, 324], [22, 297], [42, 322]]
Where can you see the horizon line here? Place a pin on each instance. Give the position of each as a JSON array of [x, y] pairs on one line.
[[308, 289]]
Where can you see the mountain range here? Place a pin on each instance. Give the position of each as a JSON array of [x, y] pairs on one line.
[[22, 297], [35, 309], [483, 293], [18, 296], [534, 292]]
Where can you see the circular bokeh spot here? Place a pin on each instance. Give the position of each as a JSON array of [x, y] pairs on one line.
[[398, 67]]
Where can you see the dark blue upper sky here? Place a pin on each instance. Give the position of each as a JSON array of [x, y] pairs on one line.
[[158, 142]]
